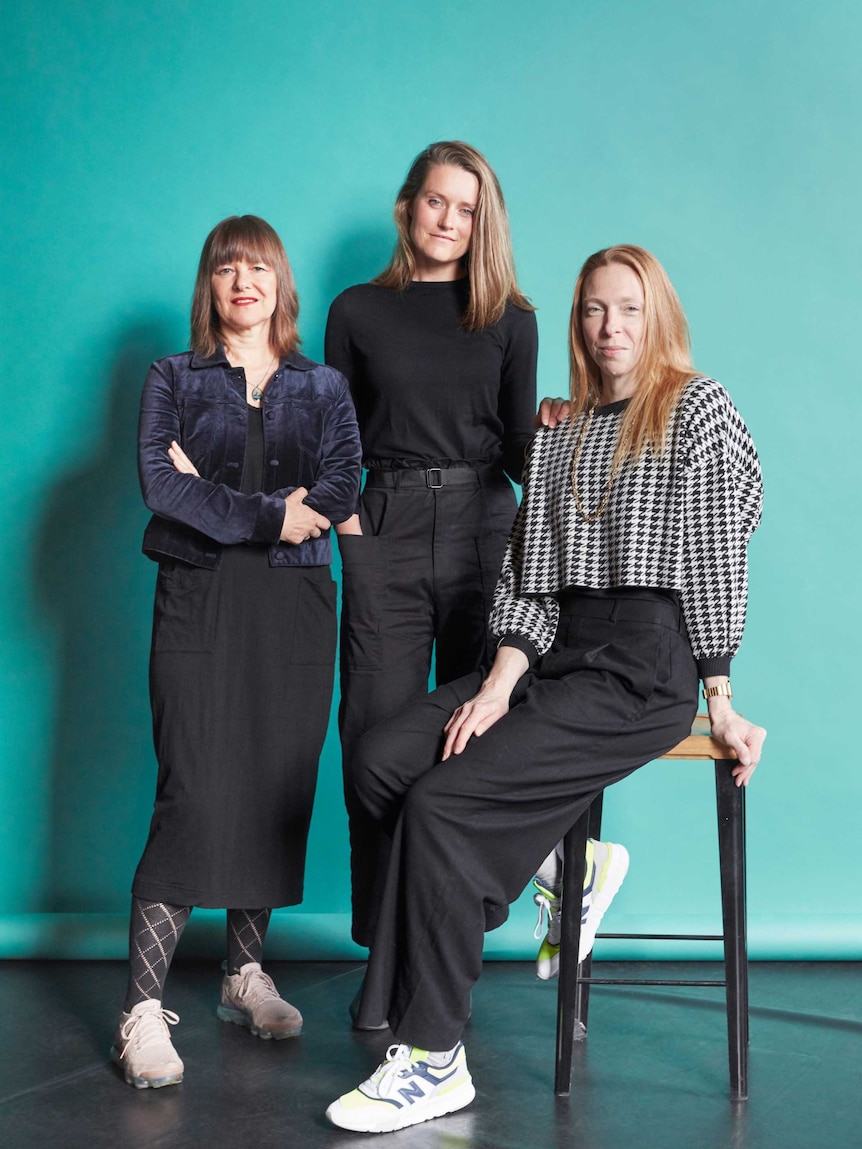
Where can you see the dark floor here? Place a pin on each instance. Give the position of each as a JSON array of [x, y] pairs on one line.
[[653, 1074]]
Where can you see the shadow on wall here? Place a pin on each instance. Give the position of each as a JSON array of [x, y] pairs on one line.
[[356, 257], [95, 585], [359, 256], [359, 253]]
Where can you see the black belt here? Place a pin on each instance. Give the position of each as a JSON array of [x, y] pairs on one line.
[[650, 608], [433, 478]]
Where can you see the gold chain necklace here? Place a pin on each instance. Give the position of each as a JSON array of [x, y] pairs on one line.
[[619, 458]]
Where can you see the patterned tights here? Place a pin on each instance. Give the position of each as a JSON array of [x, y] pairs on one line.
[[155, 930], [246, 930]]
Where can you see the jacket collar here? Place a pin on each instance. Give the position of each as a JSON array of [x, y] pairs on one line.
[[294, 360]]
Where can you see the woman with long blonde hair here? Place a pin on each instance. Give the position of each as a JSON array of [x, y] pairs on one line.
[[440, 351], [624, 584]]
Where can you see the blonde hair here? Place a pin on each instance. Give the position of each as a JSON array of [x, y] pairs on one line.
[[489, 263], [248, 238], [664, 367]]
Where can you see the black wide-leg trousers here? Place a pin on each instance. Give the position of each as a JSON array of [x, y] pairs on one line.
[[617, 689], [418, 581]]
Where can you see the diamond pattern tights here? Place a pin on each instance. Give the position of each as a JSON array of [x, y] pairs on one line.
[[155, 930]]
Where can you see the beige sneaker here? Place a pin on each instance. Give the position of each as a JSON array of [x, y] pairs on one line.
[[250, 998], [143, 1048]]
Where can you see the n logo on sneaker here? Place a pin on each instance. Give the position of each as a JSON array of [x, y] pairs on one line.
[[412, 1092], [415, 1091]]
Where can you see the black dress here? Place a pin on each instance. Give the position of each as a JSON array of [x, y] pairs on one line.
[[241, 672]]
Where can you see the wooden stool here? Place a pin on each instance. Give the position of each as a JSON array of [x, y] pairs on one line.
[[573, 996]]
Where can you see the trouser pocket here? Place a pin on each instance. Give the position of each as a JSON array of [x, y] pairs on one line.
[[363, 573]]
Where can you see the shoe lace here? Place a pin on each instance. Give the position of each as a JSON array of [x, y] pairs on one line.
[[256, 987], [149, 1028], [398, 1063], [548, 904]]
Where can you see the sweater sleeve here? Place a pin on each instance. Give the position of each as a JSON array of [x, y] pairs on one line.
[[527, 622], [338, 350], [723, 497], [518, 389]]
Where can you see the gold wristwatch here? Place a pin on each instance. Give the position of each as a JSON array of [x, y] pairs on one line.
[[722, 690]]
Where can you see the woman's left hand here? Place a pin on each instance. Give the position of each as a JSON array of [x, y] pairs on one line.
[[742, 737], [181, 460], [551, 412]]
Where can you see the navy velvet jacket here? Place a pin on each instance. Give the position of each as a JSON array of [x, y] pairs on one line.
[[310, 440]]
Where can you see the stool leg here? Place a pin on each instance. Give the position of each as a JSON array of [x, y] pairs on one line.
[[730, 804], [582, 997], [574, 849]]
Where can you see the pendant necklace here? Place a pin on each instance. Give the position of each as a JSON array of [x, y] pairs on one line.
[[258, 389]]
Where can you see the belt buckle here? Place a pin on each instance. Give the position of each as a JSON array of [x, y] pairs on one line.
[[434, 478]]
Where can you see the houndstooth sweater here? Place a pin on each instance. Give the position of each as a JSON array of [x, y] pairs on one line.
[[681, 521]]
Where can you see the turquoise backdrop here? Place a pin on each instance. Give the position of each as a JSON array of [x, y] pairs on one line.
[[722, 136]]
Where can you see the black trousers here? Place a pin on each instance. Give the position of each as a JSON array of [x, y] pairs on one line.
[[421, 575], [617, 689]]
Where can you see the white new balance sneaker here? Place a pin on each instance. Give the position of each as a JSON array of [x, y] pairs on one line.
[[405, 1090]]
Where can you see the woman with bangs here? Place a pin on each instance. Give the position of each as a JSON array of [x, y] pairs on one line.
[[248, 452], [440, 351], [624, 584]]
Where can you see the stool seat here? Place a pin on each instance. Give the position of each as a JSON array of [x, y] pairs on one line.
[[700, 744], [575, 981]]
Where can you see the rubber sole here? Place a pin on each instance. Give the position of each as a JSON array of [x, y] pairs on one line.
[[389, 1122], [143, 1082], [239, 1017]]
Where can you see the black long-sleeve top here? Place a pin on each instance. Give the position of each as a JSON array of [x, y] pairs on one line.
[[427, 391]]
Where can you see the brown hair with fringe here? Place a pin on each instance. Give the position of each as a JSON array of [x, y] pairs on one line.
[[664, 367], [489, 263], [250, 239]]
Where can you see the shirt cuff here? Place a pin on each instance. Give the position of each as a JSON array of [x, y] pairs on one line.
[[270, 520], [520, 643], [717, 665]]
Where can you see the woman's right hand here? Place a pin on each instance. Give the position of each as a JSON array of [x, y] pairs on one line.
[[301, 522], [488, 706]]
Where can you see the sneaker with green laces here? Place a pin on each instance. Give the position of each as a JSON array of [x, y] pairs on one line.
[[405, 1089], [607, 866]]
